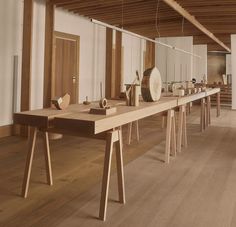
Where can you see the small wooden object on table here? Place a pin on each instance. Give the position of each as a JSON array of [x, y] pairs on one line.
[[132, 99], [61, 103], [103, 111], [86, 102], [103, 108]]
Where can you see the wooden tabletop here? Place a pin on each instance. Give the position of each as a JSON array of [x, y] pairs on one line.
[[190, 98], [77, 116], [92, 123], [212, 91]]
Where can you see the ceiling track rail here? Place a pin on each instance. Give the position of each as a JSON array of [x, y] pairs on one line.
[[178, 8]]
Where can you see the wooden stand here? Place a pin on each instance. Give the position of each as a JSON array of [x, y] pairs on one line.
[[203, 115], [163, 121], [205, 119], [170, 136], [132, 94], [130, 131], [112, 137], [29, 160], [188, 108], [218, 104], [182, 129], [189, 105], [208, 111]]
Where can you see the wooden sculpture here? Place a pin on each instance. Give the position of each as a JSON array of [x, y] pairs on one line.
[[151, 85], [103, 108], [86, 102], [61, 103], [132, 92]]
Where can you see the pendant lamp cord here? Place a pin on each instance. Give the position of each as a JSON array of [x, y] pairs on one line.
[[122, 14], [157, 19]]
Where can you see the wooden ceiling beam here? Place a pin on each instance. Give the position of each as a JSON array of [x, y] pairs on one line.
[[174, 5], [214, 47], [205, 3], [58, 2], [100, 4], [139, 16], [128, 8]]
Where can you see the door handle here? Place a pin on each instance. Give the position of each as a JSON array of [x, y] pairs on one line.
[[73, 79]]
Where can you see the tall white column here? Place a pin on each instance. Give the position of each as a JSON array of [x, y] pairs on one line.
[[233, 65]]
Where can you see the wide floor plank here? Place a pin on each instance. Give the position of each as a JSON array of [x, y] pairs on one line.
[[197, 188]]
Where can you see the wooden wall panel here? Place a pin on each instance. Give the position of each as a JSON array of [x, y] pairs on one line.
[[48, 64], [113, 64], [6, 130], [26, 55], [118, 65], [26, 60], [149, 55], [109, 55]]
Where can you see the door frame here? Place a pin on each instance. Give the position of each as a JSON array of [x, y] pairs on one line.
[[65, 36]]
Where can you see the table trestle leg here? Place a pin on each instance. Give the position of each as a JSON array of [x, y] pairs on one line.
[[209, 109], [170, 134], [173, 137], [47, 159], [182, 130], [112, 137], [129, 132], [218, 104], [29, 160], [130, 125], [202, 118], [184, 125]]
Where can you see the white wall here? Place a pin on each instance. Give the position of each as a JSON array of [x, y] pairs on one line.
[[175, 65], [200, 64], [38, 38], [92, 51], [11, 19], [233, 65], [133, 48]]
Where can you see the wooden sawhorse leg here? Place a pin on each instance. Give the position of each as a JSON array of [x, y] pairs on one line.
[[170, 135], [218, 104], [182, 129], [208, 111], [188, 108], [47, 159], [29, 160], [173, 136], [112, 137], [130, 131], [184, 135], [163, 122], [203, 115]]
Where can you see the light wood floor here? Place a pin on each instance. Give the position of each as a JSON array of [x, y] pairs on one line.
[[198, 188]]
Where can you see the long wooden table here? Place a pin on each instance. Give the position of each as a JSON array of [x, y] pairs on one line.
[[76, 120]]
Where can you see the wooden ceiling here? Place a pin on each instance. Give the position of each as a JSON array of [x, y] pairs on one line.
[[142, 16]]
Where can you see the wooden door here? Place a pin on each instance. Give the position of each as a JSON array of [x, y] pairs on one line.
[[66, 66]]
